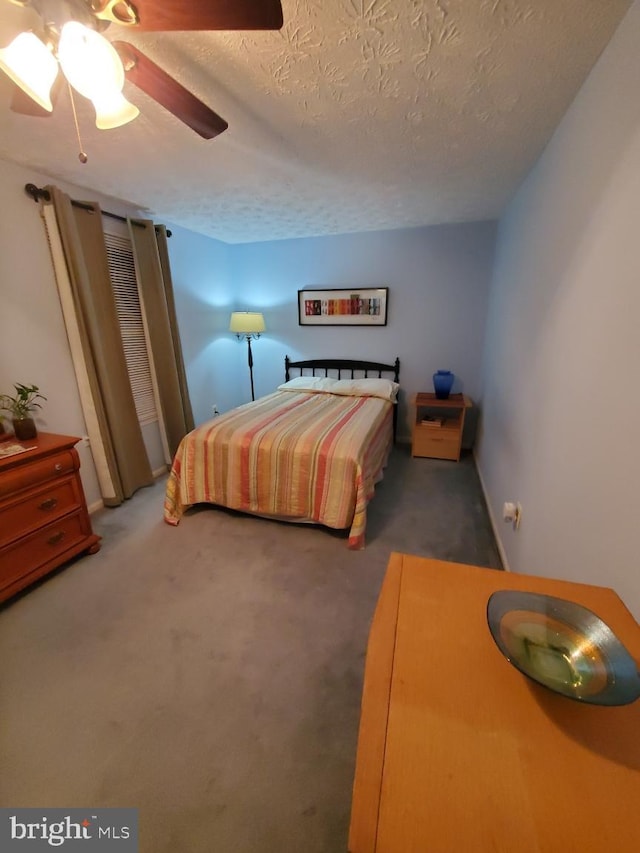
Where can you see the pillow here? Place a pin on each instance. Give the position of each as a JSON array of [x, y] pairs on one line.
[[305, 383], [384, 388]]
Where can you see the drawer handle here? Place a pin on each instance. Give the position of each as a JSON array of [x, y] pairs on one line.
[[50, 503], [57, 537], [57, 466]]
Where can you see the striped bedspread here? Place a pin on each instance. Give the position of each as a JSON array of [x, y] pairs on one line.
[[313, 457]]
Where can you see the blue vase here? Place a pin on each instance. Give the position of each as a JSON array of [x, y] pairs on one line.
[[442, 383]]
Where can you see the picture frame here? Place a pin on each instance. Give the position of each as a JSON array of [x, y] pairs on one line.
[[343, 306]]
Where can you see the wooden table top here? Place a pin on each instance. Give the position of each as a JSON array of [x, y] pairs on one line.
[[458, 751], [453, 401], [44, 443]]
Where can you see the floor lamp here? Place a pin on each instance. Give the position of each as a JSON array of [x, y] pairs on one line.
[[247, 324]]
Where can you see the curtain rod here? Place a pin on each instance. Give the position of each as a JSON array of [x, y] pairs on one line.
[[38, 193]]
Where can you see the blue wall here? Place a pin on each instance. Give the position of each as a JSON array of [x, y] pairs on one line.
[[203, 290], [438, 279]]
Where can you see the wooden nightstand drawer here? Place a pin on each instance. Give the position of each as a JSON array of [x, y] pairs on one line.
[[435, 442], [44, 546], [40, 471], [30, 510]]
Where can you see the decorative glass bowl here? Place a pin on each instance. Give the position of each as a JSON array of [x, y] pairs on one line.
[[563, 646]]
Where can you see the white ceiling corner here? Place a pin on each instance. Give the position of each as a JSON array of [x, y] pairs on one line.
[[358, 115]]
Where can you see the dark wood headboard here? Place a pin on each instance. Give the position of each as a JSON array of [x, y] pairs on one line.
[[343, 368], [342, 365]]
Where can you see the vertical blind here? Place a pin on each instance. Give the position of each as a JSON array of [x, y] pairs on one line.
[[125, 289]]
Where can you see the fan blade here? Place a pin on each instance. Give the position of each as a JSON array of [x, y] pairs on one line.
[[149, 77], [22, 103], [168, 15]]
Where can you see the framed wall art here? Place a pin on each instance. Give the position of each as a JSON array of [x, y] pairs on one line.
[[352, 306]]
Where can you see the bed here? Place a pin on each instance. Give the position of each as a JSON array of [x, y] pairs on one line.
[[312, 451]]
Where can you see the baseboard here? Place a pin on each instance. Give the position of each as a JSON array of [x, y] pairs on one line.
[[494, 526], [159, 472]]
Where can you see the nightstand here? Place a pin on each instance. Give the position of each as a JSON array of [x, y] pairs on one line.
[[438, 425]]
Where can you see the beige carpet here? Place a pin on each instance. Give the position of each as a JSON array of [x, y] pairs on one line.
[[210, 674]]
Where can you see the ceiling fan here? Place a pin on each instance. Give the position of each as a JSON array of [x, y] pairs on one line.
[[40, 37]]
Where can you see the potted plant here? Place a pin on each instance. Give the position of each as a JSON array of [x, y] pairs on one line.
[[21, 406]]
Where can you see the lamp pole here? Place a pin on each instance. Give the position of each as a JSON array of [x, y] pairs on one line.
[[250, 359]]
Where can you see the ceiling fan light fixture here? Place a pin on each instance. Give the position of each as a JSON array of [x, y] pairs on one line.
[[92, 66], [30, 64], [114, 110], [90, 63]]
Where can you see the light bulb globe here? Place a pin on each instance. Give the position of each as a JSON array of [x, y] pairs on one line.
[[30, 64], [89, 62]]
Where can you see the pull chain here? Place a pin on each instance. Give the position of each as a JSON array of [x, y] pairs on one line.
[[81, 156]]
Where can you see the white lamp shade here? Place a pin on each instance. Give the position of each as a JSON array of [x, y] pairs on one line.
[[246, 322], [114, 110], [32, 66], [92, 65]]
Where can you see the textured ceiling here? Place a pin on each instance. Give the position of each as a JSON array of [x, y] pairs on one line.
[[358, 115]]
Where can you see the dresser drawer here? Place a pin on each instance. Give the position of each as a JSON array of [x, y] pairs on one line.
[[40, 471], [45, 545], [33, 509], [436, 443]]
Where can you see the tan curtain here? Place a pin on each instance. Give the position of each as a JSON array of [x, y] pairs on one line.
[[156, 293], [82, 241], [85, 375]]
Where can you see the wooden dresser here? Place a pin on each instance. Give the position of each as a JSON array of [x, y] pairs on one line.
[[43, 513], [458, 751]]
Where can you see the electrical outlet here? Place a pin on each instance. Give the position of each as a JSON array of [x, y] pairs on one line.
[[512, 512], [517, 518], [508, 511]]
